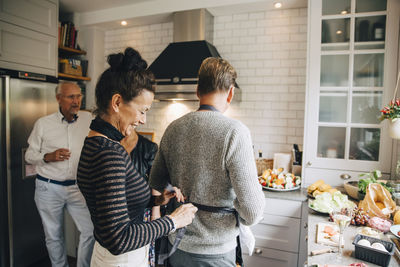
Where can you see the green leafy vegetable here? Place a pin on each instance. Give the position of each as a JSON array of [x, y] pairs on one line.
[[371, 177], [327, 202]]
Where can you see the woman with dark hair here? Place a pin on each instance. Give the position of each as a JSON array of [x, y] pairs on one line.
[[115, 192]]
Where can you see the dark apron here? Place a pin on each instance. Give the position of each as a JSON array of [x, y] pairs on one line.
[[165, 254]]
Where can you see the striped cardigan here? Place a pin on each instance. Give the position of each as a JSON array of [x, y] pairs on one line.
[[116, 195]]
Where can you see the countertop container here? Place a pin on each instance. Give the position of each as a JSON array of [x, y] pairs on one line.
[[373, 255]]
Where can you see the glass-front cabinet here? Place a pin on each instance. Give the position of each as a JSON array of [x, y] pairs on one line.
[[351, 75]]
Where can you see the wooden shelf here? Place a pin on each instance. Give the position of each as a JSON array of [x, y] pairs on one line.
[[73, 77], [71, 51]]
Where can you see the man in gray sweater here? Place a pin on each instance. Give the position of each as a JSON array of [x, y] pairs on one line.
[[210, 158]]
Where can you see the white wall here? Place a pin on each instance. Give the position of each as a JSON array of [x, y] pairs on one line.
[[92, 41], [268, 50]]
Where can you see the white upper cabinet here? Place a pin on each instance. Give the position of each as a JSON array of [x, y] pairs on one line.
[[26, 50], [351, 75], [28, 35], [37, 15]]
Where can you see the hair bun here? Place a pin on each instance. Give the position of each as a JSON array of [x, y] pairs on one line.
[[115, 61], [129, 61]]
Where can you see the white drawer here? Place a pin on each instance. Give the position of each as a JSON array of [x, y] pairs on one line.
[[282, 207], [278, 232], [270, 257]]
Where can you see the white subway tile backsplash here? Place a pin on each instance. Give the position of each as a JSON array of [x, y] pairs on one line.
[[282, 21], [248, 24], [264, 71], [256, 32], [256, 15], [241, 17], [271, 80], [264, 55], [237, 33], [252, 64], [277, 139], [299, 20], [222, 19], [290, 12], [281, 55], [303, 28], [297, 71], [280, 38], [155, 27], [248, 40], [264, 39], [268, 50], [294, 140], [298, 37], [281, 71], [274, 14], [231, 25]]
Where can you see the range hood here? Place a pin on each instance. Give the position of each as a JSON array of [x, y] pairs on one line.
[[176, 68]]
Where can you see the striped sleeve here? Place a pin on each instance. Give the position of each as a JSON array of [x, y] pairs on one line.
[[109, 210]]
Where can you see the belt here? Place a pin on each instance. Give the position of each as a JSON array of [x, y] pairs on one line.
[[63, 183]]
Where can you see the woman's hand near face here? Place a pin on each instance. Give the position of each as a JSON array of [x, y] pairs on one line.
[[129, 142], [167, 195]]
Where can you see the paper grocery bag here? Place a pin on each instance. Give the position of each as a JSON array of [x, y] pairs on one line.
[[378, 201]]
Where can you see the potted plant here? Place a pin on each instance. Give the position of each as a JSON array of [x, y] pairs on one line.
[[391, 112]]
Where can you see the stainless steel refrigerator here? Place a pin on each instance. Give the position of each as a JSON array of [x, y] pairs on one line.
[[24, 97]]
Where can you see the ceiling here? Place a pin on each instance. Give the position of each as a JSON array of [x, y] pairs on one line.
[[107, 14]]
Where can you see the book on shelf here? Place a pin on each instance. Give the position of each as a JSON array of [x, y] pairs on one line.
[[67, 35]]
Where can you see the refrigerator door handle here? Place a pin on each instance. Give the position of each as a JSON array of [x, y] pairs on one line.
[[5, 80]]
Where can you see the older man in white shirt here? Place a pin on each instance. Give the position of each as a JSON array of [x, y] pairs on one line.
[[55, 146]]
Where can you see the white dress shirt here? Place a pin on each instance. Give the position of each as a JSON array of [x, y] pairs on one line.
[[53, 132]]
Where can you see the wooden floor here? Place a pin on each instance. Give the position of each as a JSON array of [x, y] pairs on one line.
[[46, 263]]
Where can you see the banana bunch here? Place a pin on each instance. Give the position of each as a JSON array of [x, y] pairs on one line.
[[320, 187]]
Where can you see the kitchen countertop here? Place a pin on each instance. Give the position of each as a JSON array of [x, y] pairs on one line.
[[296, 195], [348, 251]]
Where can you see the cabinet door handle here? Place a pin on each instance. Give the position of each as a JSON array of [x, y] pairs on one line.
[[345, 176], [258, 251], [308, 163], [305, 225]]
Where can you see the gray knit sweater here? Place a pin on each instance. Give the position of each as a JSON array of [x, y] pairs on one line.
[[210, 158]]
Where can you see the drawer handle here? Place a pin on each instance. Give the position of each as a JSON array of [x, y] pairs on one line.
[[345, 176], [305, 225], [258, 251]]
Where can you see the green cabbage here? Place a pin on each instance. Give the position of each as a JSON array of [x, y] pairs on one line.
[[327, 202]]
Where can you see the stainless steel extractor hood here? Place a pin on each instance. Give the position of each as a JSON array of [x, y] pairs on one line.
[[176, 68]]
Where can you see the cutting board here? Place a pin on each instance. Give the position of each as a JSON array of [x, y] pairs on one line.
[[324, 238]]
